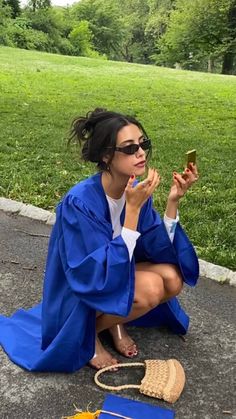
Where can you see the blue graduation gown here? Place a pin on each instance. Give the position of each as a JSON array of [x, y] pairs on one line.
[[88, 271]]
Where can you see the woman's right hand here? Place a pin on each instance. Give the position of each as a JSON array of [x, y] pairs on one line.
[[136, 196]]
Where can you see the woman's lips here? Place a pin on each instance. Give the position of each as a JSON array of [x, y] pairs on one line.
[[141, 164]]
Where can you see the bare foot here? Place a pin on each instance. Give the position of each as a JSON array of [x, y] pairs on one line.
[[123, 342], [102, 358]]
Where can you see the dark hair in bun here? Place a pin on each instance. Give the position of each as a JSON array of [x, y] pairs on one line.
[[97, 133]]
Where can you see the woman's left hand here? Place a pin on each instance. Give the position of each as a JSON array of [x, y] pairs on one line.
[[182, 182]]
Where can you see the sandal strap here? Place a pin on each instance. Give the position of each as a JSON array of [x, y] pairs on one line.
[[122, 387]]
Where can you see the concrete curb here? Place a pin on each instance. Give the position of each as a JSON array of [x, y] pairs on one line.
[[27, 210], [207, 269]]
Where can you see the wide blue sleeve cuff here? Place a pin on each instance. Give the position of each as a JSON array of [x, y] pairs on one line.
[[155, 245]]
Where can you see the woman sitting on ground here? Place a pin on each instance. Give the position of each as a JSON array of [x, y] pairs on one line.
[[111, 258]]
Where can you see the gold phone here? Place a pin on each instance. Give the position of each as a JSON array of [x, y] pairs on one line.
[[191, 157]]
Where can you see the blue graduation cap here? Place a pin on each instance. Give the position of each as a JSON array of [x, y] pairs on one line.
[[131, 409]]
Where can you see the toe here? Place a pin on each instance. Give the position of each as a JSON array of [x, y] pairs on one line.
[[123, 343], [96, 365], [131, 351]]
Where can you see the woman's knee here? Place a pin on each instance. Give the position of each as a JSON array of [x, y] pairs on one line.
[[151, 293], [170, 274], [173, 282]]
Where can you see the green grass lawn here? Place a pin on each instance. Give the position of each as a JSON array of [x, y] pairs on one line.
[[41, 93]]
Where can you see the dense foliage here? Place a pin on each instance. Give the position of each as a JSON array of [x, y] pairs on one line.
[[196, 35]]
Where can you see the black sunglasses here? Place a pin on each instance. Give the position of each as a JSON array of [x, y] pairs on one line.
[[133, 148]]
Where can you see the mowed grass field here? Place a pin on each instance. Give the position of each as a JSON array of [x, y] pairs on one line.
[[41, 93]]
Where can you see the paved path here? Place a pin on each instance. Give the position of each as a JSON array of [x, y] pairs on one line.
[[208, 354]]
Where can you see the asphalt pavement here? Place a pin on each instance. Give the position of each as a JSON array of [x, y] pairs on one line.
[[207, 352]]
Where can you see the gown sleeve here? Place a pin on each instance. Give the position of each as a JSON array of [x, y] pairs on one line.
[[155, 245], [97, 267]]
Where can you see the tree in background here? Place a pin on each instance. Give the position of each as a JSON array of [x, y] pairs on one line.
[[5, 20], [103, 21], [118, 27], [197, 33], [230, 51], [39, 4], [157, 23], [136, 45], [81, 39], [15, 7]]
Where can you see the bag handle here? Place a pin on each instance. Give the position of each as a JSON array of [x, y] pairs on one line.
[[111, 367]]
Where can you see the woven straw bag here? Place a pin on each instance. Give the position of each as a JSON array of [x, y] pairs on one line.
[[163, 379]]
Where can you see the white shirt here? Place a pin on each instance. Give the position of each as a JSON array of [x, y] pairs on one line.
[[131, 236]]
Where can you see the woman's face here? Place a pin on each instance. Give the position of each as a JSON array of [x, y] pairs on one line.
[[128, 164]]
